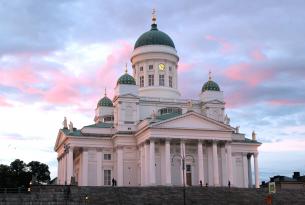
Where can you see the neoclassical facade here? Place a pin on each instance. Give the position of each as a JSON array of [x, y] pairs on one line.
[[149, 135]]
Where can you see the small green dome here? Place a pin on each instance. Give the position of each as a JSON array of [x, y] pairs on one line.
[[210, 86], [154, 37], [105, 102], [126, 79]]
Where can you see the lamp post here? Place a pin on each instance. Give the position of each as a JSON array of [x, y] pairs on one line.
[[183, 157], [66, 150]]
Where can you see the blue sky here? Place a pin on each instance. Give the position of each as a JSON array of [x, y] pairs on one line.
[[56, 58]]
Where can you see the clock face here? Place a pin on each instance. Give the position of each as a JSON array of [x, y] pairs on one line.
[[161, 66]]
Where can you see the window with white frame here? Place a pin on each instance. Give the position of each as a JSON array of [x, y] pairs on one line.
[[170, 68], [150, 67], [107, 177], [161, 80], [151, 80], [170, 81], [141, 81], [107, 156], [141, 68]]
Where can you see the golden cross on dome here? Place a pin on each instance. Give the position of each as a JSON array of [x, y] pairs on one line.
[[126, 70], [154, 17], [105, 92], [210, 75]]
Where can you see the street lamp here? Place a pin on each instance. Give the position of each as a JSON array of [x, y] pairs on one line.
[[183, 157], [66, 150]]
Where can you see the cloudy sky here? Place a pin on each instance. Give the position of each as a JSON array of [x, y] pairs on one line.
[[56, 58]]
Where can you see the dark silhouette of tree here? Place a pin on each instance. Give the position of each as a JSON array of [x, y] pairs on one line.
[[20, 174], [5, 176], [40, 171]]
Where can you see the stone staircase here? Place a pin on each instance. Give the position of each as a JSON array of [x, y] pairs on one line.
[[73, 195]]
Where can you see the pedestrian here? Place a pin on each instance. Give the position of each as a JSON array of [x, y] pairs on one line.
[[113, 182], [200, 183], [229, 184], [206, 184]]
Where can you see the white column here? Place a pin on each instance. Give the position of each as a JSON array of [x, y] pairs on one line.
[[182, 152], [119, 152], [215, 164], [85, 167], [200, 163], [245, 166], [256, 170], [224, 174], [70, 165], [65, 169], [152, 163], [249, 170], [99, 167], [167, 156], [62, 171], [58, 170], [146, 164], [142, 161], [229, 163]]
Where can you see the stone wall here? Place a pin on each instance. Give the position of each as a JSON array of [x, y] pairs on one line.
[[72, 195]]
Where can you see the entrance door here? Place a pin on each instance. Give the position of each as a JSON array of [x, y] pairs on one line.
[[188, 175]]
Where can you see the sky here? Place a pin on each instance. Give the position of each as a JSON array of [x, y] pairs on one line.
[[57, 57]]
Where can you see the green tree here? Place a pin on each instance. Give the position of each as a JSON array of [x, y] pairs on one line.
[[40, 171], [19, 174], [5, 176]]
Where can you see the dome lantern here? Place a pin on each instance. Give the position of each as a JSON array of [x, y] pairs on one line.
[[210, 85], [105, 101]]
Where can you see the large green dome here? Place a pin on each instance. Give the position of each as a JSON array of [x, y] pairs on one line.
[[210, 86], [154, 37], [126, 79], [105, 102]]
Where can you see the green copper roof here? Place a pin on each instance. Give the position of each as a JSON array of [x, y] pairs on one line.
[[126, 79], [105, 102], [210, 86], [168, 116], [75, 132], [101, 125], [154, 37]]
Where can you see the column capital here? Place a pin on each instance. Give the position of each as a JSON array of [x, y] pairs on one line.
[[255, 154], [249, 155]]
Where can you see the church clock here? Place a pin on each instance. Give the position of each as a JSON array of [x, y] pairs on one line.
[[161, 66]]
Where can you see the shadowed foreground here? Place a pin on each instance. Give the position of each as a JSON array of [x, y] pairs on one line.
[[73, 195]]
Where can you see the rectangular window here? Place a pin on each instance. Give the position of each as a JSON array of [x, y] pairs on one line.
[[161, 80], [141, 68], [170, 68], [107, 156], [150, 67], [151, 80], [107, 177], [141, 81], [170, 81]]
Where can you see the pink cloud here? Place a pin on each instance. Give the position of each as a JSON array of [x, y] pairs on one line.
[[183, 67], [245, 72], [4, 103], [257, 55], [225, 46], [281, 102], [22, 78]]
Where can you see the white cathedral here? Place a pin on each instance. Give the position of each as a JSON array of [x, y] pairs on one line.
[[149, 135]]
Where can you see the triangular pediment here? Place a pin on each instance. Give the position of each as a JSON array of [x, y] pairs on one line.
[[194, 121], [59, 140], [214, 102]]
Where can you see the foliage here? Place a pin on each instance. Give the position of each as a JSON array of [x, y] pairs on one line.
[[20, 174]]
